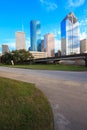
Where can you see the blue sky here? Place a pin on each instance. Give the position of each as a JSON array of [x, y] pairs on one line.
[[15, 13]]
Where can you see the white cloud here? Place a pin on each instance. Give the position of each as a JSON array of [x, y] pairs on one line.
[[76, 3], [59, 32], [83, 29], [83, 35], [48, 5], [56, 31], [83, 22]]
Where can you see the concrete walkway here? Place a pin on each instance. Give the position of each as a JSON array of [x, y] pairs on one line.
[[68, 98]]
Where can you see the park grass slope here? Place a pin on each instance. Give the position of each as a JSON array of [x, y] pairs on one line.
[[23, 107], [57, 67]]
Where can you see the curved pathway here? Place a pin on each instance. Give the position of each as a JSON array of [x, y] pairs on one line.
[[66, 91]]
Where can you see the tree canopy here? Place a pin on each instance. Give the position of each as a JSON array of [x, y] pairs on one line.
[[17, 56]]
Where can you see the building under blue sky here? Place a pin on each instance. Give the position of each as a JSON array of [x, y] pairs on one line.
[[35, 35], [16, 15], [70, 40]]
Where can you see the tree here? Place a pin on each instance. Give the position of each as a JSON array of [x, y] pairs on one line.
[[6, 58], [18, 57]]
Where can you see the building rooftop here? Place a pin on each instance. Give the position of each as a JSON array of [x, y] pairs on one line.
[[20, 32], [71, 17]]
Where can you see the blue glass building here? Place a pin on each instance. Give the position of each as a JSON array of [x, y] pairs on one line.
[[70, 41], [35, 35]]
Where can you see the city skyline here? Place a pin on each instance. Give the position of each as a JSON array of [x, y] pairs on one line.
[[16, 16]]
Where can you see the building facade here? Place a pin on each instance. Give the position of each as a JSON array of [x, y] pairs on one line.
[[83, 46], [70, 41], [38, 54], [35, 35], [20, 40], [49, 43], [42, 46], [5, 49]]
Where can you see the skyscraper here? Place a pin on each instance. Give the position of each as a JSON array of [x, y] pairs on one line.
[[5, 49], [42, 46], [35, 35], [49, 44], [20, 40], [70, 42]]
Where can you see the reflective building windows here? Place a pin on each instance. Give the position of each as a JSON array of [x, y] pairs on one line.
[[35, 35], [70, 42]]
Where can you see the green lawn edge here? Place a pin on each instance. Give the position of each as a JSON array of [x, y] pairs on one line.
[[57, 67], [23, 107]]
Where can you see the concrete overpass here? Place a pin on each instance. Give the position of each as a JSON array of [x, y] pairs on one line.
[[59, 58]]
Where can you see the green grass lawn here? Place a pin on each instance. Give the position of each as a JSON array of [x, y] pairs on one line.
[[52, 67], [23, 107]]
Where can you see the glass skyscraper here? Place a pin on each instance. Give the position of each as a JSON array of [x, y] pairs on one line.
[[70, 41], [35, 35]]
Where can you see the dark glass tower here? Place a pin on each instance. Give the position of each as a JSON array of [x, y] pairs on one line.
[[70, 41], [35, 35]]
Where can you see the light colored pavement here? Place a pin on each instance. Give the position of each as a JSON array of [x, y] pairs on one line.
[[66, 91]]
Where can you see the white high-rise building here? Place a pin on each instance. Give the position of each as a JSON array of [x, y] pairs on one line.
[[20, 40], [49, 44]]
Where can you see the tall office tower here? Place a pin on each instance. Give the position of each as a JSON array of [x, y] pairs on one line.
[[42, 46], [35, 35], [83, 46], [70, 41], [5, 49], [20, 40], [49, 44]]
